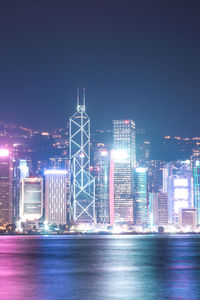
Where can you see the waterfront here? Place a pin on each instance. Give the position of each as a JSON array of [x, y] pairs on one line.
[[100, 267]]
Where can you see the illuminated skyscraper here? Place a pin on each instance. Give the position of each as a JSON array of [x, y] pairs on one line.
[[177, 183], [82, 196], [155, 176], [195, 166], [31, 199], [6, 176], [140, 201], [20, 170], [100, 171], [123, 161], [158, 209], [55, 196]]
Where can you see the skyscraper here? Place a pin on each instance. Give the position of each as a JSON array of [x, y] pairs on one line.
[[140, 198], [101, 174], [20, 170], [195, 167], [31, 199], [155, 176], [187, 218], [158, 209], [6, 176], [82, 196], [55, 196], [177, 183], [123, 162]]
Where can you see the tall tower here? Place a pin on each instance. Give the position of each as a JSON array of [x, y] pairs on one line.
[[55, 196], [82, 196], [6, 182], [123, 161]]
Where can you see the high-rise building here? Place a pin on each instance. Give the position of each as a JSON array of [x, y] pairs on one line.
[[177, 183], [63, 163], [140, 199], [187, 218], [100, 171], [158, 209], [155, 176], [56, 196], [124, 138], [195, 168], [123, 161], [6, 177], [82, 197], [20, 170], [31, 199]]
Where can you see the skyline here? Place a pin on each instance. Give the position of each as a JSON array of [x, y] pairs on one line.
[[137, 61]]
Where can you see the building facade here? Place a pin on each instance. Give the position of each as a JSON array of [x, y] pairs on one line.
[[56, 196], [177, 183], [82, 196], [158, 209], [6, 183], [100, 171], [140, 197], [187, 218], [31, 199], [123, 162]]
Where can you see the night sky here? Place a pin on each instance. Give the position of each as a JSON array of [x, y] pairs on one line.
[[137, 59]]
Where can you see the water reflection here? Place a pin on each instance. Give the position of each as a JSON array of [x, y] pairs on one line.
[[101, 267]]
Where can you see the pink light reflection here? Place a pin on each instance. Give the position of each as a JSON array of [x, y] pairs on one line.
[[4, 152]]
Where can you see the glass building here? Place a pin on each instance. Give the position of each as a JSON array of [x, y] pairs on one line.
[[140, 199], [123, 161], [158, 209], [56, 196], [6, 182], [177, 183], [31, 198], [100, 171], [196, 189], [20, 170]]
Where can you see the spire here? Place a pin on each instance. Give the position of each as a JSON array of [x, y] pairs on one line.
[[77, 96], [84, 97]]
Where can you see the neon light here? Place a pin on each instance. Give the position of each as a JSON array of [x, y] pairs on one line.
[[126, 122], [140, 170], [4, 152], [55, 171]]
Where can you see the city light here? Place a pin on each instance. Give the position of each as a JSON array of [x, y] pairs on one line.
[[55, 171], [4, 152], [120, 155], [181, 193], [180, 182], [104, 153], [140, 170], [178, 204]]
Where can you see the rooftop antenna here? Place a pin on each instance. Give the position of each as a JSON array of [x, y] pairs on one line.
[[77, 96], [84, 97]]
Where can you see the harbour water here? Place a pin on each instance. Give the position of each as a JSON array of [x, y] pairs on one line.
[[99, 267]]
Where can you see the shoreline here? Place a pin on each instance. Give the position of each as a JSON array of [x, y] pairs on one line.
[[101, 233]]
